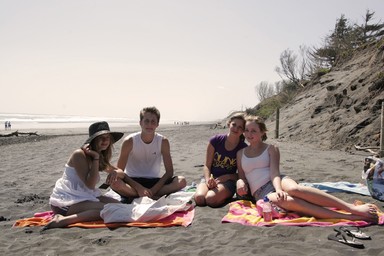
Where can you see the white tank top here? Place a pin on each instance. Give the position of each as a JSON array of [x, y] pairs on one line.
[[256, 169], [144, 160]]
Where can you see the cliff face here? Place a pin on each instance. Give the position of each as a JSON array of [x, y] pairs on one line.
[[340, 109]]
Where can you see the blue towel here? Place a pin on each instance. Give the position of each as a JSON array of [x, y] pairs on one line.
[[340, 186]]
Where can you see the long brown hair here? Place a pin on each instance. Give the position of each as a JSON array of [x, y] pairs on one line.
[[105, 156]]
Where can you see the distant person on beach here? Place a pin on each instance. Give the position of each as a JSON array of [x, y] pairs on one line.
[[6, 125], [9, 125], [259, 175], [141, 156], [75, 197], [220, 169]]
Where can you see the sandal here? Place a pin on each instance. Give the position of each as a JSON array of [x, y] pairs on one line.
[[342, 237], [353, 232]]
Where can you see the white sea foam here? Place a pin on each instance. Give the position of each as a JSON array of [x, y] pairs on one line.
[[39, 121], [36, 121]]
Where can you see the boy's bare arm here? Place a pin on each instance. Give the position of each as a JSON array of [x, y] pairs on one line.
[[168, 165], [126, 148]]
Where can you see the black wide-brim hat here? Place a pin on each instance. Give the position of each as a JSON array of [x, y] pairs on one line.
[[100, 128]]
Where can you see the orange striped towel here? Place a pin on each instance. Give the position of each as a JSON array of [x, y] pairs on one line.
[[183, 218]]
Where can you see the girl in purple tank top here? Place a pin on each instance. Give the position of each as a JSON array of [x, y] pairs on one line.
[[220, 169]]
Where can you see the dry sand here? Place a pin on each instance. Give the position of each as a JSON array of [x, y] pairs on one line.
[[29, 170]]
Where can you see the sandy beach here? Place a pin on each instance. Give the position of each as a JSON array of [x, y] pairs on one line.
[[30, 167]]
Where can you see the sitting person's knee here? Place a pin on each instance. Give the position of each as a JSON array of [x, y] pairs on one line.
[[182, 182], [212, 200], [117, 185], [199, 199], [292, 190]]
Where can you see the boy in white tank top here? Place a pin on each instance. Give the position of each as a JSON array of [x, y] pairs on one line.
[[141, 156]]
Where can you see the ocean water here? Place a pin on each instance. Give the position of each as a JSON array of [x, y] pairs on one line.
[[35, 121]]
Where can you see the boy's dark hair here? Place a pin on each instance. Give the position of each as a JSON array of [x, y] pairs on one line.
[[152, 110]]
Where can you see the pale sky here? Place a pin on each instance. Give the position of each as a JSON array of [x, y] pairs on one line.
[[195, 60]]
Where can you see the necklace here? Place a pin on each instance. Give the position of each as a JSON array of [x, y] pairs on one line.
[[256, 150], [230, 145]]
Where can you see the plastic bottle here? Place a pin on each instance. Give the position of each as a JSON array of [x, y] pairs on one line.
[[267, 210]]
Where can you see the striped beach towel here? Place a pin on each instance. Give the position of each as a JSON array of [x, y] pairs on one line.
[[183, 218], [245, 212]]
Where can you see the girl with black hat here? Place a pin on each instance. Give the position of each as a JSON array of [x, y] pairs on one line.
[[75, 197]]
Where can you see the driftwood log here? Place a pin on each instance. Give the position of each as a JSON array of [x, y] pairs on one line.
[[17, 133], [368, 149]]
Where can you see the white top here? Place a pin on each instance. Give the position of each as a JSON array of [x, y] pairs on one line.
[[256, 170], [144, 160], [70, 189]]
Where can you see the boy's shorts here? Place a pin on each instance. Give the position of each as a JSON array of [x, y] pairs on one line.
[[150, 182], [145, 182]]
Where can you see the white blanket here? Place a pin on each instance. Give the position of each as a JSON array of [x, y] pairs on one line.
[[145, 209]]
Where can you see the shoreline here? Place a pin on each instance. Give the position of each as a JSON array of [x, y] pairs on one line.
[[48, 133], [70, 129]]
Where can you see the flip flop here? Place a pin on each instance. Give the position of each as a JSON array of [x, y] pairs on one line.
[[353, 232], [342, 237]]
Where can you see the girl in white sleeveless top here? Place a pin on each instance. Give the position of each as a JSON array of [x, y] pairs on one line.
[[259, 175], [75, 197]]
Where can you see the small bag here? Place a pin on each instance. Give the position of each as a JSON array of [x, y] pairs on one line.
[[373, 173]]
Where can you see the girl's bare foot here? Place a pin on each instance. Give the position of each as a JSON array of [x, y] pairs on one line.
[[368, 212], [54, 223], [358, 202]]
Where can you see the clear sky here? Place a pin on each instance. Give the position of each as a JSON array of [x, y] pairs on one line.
[[196, 60]]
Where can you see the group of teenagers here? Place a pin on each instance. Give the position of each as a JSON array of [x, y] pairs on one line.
[[238, 162]]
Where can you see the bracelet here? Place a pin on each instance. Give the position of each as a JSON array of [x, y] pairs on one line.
[[95, 159]]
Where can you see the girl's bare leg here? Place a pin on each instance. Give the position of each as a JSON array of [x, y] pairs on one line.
[[216, 197], [320, 198], [306, 208], [80, 212], [201, 192], [107, 200]]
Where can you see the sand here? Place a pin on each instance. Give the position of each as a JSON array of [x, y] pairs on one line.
[[30, 167]]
